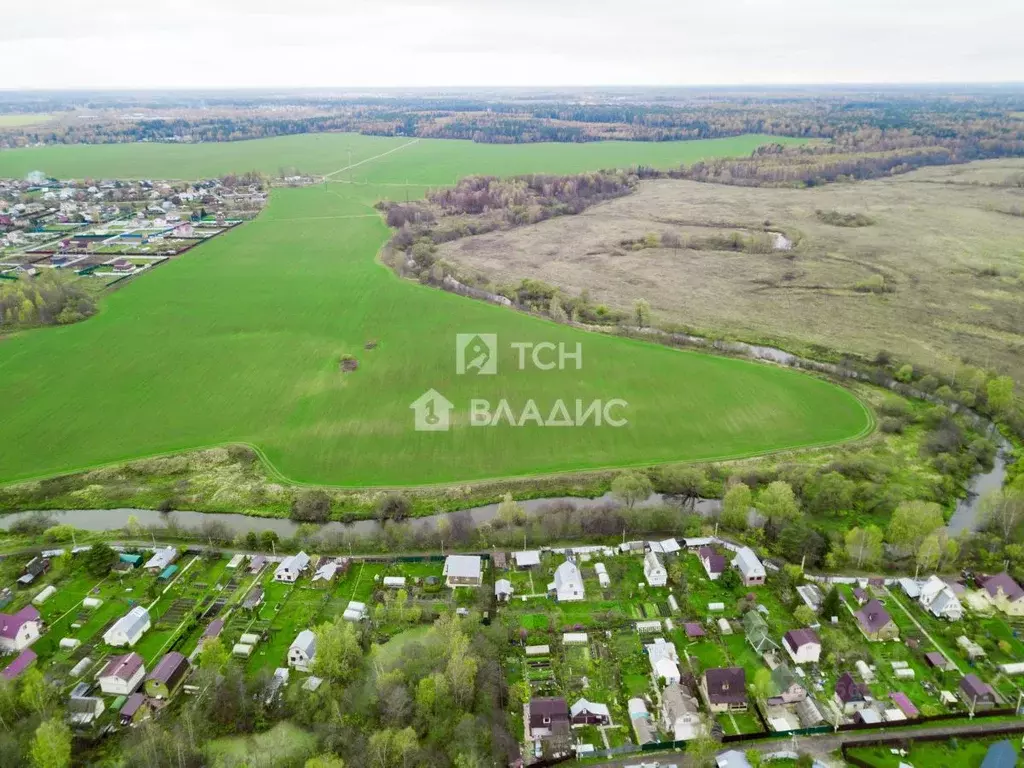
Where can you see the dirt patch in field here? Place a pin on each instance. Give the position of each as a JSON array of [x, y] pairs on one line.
[[908, 282]]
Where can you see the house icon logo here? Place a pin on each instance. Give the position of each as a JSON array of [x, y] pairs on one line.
[[476, 353], [432, 412]]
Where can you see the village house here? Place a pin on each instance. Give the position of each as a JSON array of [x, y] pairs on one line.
[[786, 687], [212, 632], [585, 712], [664, 660], [876, 623], [802, 645], [327, 569], [643, 724], [680, 714], [938, 598], [167, 675], [568, 583], [976, 694], [1005, 594], [162, 557], [84, 710], [289, 569], [548, 716], [254, 599], [25, 660], [135, 709], [654, 571], [849, 694], [122, 675], [714, 563], [750, 568], [527, 559], [20, 629], [302, 651], [725, 689], [503, 590], [129, 628], [463, 571]]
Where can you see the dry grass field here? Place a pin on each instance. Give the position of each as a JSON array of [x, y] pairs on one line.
[[935, 275]]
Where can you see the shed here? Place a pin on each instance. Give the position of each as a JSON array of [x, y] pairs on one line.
[[167, 572]]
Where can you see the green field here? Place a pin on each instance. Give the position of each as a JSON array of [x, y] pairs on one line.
[[22, 119], [239, 342]]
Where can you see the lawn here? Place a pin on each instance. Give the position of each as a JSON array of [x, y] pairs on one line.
[[284, 744], [966, 752], [23, 119], [249, 343]]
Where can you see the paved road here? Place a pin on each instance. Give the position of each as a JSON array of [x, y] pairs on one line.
[[824, 745]]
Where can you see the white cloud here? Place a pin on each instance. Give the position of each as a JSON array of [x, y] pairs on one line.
[[358, 43]]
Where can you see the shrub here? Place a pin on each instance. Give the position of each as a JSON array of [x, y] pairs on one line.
[[312, 506]]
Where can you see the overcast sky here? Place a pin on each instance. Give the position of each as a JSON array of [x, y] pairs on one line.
[[282, 43]]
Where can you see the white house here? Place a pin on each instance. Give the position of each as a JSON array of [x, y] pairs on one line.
[[654, 571], [129, 628], [939, 599], [161, 559], [291, 568], [302, 650], [749, 566], [602, 575], [19, 630], [802, 645], [503, 590], [568, 583], [327, 571], [122, 675], [664, 660], [462, 571], [527, 559]]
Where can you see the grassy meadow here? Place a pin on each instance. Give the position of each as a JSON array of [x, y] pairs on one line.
[[20, 120], [240, 341]]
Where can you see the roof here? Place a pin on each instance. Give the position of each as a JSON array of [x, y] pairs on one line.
[[694, 629], [973, 686], [306, 642], [327, 571], [131, 706], [798, 638], [11, 624], [1000, 755], [167, 572], [296, 562], [503, 587], [253, 598], [16, 667], [168, 666], [588, 706], [783, 678], [748, 563], [661, 649], [715, 561], [132, 623], [213, 629], [726, 685], [872, 617], [462, 566], [162, 557], [936, 659], [906, 706], [669, 545], [123, 667], [1004, 581], [848, 690], [548, 706], [527, 558], [732, 759]]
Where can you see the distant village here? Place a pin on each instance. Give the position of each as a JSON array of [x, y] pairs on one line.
[[112, 229]]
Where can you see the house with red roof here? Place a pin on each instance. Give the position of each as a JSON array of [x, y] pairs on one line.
[[905, 705], [714, 563], [19, 630]]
